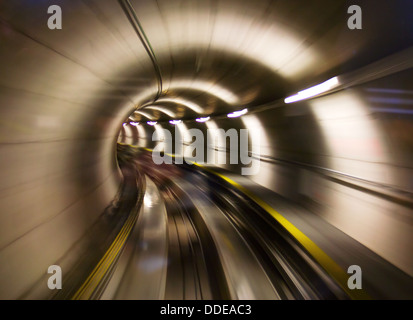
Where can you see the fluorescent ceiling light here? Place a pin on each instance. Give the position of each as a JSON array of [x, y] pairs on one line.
[[237, 114], [205, 119], [175, 121], [152, 123], [313, 91], [125, 124], [134, 123]]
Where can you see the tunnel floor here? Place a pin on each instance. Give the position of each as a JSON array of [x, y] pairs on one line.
[[205, 233]]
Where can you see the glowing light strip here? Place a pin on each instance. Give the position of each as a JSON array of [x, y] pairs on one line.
[[152, 123], [175, 121], [205, 119], [237, 114], [313, 91]]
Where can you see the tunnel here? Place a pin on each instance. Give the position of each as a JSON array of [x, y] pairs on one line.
[[206, 150]]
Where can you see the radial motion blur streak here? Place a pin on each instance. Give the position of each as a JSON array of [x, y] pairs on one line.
[[332, 185]]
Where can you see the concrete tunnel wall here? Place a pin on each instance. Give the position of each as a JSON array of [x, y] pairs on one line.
[[62, 107], [356, 135], [64, 96]]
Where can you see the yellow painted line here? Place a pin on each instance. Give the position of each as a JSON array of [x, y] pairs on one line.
[[129, 145], [88, 284], [332, 268], [103, 268], [93, 280], [329, 265]]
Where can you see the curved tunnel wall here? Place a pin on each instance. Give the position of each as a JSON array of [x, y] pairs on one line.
[[343, 167], [65, 94], [344, 156], [63, 103]]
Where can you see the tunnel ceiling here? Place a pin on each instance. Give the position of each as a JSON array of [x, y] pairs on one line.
[[65, 94], [228, 55], [210, 57]]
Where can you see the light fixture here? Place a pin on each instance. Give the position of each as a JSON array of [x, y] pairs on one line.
[[237, 114], [175, 121], [205, 119], [134, 124], [125, 124], [313, 91], [152, 123]]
